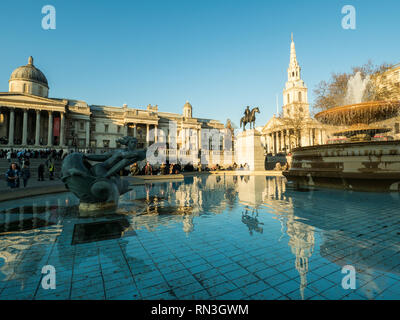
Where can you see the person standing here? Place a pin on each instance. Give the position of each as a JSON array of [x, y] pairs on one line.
[[25, 173], [51, 170], [41, 172], [9, 156], [12, 176]]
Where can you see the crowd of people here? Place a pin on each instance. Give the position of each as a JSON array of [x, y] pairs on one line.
[[163, 169], [20, 165], [10, 154], [176, 168]]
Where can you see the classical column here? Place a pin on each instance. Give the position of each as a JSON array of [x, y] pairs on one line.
[[50, 129], [87, 129], [155, 133], [282, 140], [25, 127], [37, 128], [11, 128], [147, 134], [198, 139], [321, 137], [62, 124], [135, 130], [125, 130], [278, 138]]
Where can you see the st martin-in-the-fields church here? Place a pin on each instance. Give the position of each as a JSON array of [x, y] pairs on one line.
[[294, 127]]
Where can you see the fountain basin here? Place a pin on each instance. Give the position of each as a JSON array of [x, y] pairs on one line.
[[363, 166]]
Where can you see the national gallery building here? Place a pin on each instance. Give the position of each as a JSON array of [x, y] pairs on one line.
[[30, 119]]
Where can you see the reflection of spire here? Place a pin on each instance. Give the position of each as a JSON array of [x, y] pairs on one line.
[[302, 244]]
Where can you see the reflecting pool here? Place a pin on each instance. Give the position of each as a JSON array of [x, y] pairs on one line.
[[207, 237]]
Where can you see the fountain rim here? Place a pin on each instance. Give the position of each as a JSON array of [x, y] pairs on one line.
[[373, 106]]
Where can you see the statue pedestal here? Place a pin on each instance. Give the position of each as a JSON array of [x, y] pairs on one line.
[[248, 149]]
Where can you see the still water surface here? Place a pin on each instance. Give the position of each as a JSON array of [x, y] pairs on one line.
[[210, 237]]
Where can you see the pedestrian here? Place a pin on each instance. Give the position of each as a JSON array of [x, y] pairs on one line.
[[51, 170], [9, 156], [25, 173], [41, 172], [12, 176]]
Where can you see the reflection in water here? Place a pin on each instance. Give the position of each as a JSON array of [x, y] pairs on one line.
[[339, 227], [249, 218]]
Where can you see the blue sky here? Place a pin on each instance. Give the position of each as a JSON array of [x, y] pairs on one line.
[[220, 55]]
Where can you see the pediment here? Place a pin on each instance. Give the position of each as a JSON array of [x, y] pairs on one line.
[[272, 123], [10, 98]]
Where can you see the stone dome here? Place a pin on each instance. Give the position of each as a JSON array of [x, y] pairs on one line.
[[187, 110], [187, 105], [29, 73]]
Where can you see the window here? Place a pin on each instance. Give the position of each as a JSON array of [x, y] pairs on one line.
[[106, 128], [119, 129], [81, 125], [397, 128], [24, 88], [40, 91], [288, 98], [106, 143], [299, 96]]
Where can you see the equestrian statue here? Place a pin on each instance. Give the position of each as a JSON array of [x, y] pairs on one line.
[[249, 117]]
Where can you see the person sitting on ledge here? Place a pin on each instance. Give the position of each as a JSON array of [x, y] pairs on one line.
[[134, 169], [188, 168], [177, 168], [148, 170], [163, 169]]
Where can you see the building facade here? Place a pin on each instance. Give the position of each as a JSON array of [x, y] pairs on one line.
[[30, 119], [294, 127]]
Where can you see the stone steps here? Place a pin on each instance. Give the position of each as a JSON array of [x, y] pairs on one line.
[[34, 164]]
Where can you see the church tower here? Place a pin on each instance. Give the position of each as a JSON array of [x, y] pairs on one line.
[[295, 100]]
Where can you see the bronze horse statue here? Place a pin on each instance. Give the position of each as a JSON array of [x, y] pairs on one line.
[[250, 119]]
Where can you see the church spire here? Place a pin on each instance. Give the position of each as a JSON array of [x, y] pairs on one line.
[[293, 58], [294, 68]]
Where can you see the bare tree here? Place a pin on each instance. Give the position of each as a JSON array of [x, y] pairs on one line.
[[332, 93], [295, 123]]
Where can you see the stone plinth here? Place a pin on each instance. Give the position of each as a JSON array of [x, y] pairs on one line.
[[248, 149]]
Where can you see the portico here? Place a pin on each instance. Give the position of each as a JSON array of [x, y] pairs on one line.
[[25, 123]]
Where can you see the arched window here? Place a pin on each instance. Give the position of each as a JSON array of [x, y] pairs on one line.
[[40, 91], [288, 98], [300, 96], [24, 88]]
